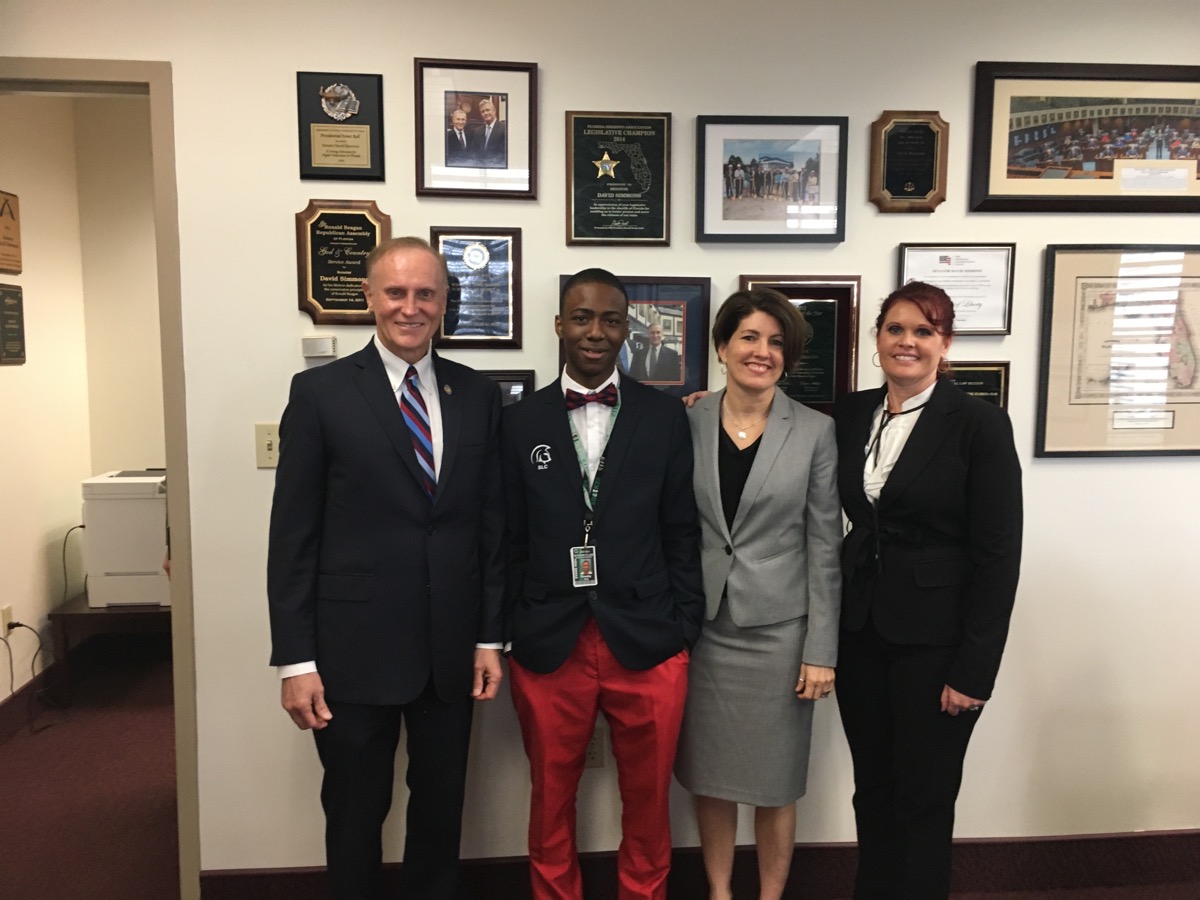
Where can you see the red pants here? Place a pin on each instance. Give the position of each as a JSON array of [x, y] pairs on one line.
[[557, 713]]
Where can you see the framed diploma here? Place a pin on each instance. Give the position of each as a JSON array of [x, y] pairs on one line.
[[1119, 371], [830, 307], [908, 161], [333, 240], [12, 325], [515, 384], [341, 126], [985, 380], [476, 129], [618, 178], [484, 307], [771, 178], [978, 278], [1092, 137], [10, 234]]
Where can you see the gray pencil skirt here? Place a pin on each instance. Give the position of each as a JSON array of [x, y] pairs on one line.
[[745, 736]]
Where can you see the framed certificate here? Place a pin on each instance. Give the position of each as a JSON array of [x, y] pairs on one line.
[[1119, 369], [618, 178], [978, 278]]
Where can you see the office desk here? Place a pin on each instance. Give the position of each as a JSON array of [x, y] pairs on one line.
[[75, 620]]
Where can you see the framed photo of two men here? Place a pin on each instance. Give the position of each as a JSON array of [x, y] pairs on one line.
[[476, 127]]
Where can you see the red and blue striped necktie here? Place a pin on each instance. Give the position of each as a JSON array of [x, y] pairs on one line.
[[416, 417]]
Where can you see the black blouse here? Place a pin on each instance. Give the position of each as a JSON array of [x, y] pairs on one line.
[[733, 468]]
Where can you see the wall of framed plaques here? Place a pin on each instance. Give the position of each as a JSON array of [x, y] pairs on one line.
[[237, 160]]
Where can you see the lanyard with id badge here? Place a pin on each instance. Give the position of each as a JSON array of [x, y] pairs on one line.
[[583, 558]]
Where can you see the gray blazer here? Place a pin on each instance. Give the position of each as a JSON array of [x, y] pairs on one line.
[[781, 559]]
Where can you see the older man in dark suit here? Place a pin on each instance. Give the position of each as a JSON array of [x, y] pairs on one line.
[[604, 595], [384, 577]]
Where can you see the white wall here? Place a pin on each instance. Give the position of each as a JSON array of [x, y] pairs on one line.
[[1095, 710], [116, 210], [44, 443]]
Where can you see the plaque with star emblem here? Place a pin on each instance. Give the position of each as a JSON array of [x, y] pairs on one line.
[[618, 178]]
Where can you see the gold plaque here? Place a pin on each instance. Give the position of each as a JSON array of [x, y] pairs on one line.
[[10, 234]]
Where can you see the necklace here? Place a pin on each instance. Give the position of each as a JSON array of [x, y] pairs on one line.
[[740, 426]]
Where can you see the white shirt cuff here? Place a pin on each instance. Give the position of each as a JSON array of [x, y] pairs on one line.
[[295, 669], [495, 646]]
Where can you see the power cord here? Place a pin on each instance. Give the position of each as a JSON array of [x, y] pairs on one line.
[[66, 580]]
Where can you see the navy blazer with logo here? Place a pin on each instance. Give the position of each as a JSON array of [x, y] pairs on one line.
[[649, 600]]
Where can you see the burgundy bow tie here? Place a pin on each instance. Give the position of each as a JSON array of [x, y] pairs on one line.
[[608, 397]]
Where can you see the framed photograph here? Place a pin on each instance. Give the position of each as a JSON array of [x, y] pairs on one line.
[[668, 333], [830, 306], [484, 307], [476, 129], [618, 178], [333, 239], [1119, 373], [770, 178], [908, 161], [978, 278], [985, 380], [341, 126], [515, 384], [12, 325], [1060, 137]]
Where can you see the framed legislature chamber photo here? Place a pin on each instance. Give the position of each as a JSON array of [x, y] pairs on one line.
[[1089, 137], [1119, 353]]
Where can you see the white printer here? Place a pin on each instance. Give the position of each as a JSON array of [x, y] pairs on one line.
[[125, 538]]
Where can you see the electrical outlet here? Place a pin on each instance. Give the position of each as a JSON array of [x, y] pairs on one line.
[[266, 445], [594, 757], [6, 618]]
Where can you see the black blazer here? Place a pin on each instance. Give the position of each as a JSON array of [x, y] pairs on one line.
[[937, 560], [365, 575], [649, 600]]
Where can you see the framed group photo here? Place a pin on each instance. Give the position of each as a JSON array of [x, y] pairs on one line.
[[978, 278], [476, 127], [1119, 354], [830, 307], [771, 178], [618, 178], [483, 310], [1060, 137]]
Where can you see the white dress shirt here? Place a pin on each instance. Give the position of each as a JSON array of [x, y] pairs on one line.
[[591, 420], [895, 435]]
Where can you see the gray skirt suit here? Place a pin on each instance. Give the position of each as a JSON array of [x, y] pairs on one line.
[[772, 586]]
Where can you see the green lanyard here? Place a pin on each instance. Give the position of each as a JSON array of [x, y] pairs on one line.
[[592, 492]]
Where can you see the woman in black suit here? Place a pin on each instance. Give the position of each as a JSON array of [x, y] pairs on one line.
[[930, 482]]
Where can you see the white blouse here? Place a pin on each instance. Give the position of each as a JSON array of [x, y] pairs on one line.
[[883, 448]]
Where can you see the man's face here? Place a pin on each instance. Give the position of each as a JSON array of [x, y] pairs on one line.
[[487, 111], [593, 325], [406, 290], [459, 120], [655, 335]]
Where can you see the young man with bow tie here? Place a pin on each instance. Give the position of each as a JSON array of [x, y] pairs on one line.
[[603, 598]]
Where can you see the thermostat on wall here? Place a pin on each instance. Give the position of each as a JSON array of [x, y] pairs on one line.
[[319, 345]]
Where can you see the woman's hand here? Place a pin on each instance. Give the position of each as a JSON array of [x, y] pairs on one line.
[[815, 682], [954, 703]]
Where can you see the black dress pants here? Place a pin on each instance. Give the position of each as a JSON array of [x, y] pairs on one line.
[[908, 758], [358, 750]]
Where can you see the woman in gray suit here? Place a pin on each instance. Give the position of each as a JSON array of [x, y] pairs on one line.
[[766, 491]]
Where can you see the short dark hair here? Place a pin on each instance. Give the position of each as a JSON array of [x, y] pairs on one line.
[[384, 248], [774, 304], [934, 303], [592, 276]]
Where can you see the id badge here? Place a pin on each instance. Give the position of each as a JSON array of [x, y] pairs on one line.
[[583, 567]]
